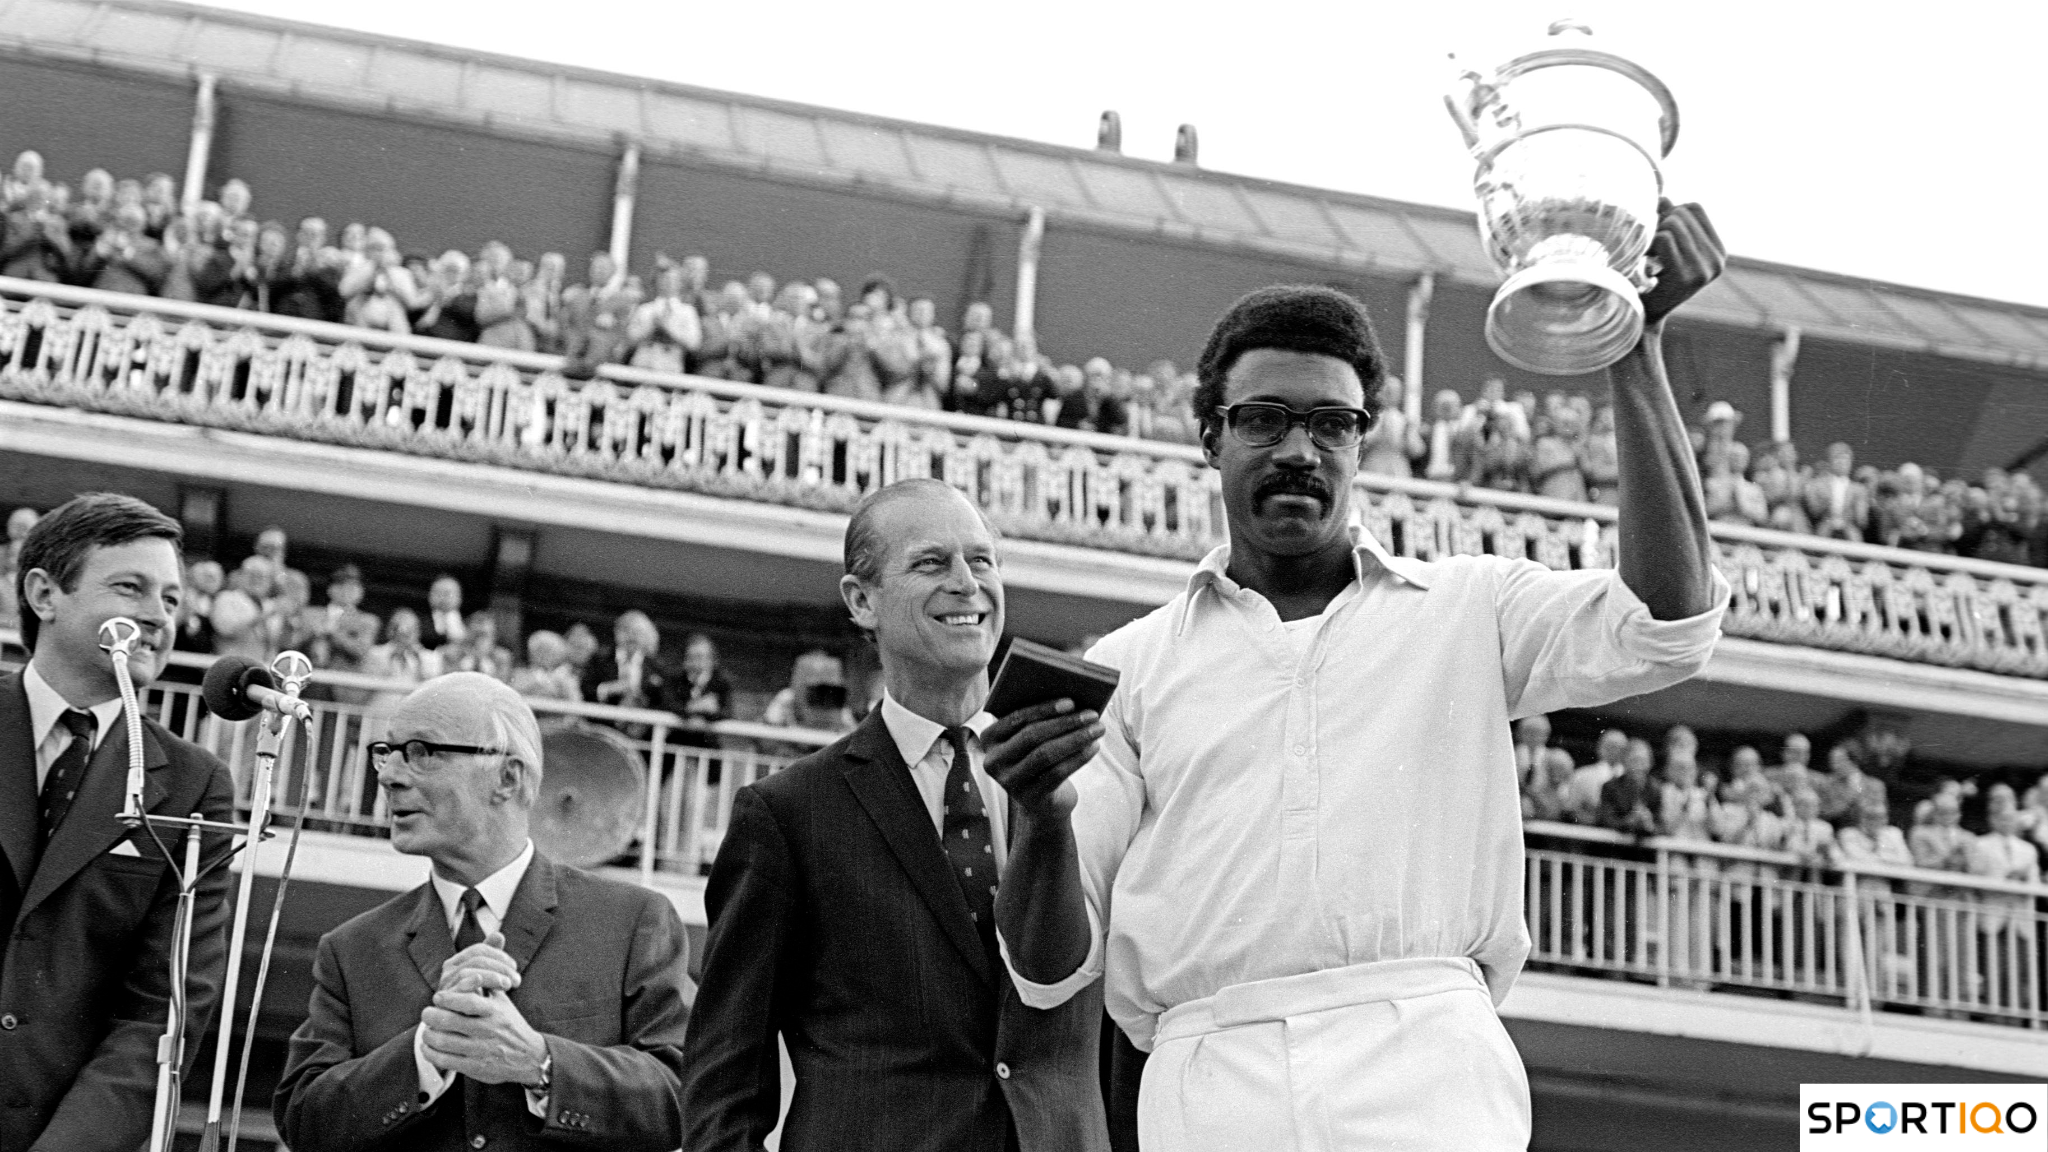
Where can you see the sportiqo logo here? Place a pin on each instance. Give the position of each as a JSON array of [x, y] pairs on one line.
[[1853, 1116]]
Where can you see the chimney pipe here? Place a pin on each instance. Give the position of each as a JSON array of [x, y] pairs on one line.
[[1109, 134], [1184, 146]]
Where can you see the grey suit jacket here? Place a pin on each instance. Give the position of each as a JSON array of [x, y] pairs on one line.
[[604, 978]]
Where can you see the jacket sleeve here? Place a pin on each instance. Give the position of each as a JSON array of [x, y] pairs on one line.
[[734, 1090], [110, 1102], [625, 1097], [330, 1098]]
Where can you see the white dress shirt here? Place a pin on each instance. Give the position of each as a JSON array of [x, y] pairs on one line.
[[929, 754], [925, 749], [45, 708], [496, 890], [1262, 810], [449, 624]]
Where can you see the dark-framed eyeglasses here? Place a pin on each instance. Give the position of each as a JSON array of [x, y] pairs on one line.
[[1258, 424], [420, 753]]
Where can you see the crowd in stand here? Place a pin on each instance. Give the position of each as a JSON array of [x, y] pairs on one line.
[[1562, 447], [132, 236], [1829, 817]]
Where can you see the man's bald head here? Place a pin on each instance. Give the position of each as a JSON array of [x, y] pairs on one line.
[[484, 711]]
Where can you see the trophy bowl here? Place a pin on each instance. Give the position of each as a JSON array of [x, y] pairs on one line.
[[1567, 141]]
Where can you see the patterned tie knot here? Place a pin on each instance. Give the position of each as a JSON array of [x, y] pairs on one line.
[[82, 724], [469, 930], [957, 737]]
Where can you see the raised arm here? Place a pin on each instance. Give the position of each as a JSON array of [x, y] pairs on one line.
[[1665, 554]]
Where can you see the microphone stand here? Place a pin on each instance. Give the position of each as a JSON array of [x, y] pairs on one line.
[[117, 639], [272, 735]]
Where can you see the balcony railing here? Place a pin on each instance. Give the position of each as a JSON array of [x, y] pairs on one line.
[[1675, 913], [213, 367], [1867, 936]]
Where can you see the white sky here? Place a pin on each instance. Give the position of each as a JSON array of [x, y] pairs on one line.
[[1884, 139]]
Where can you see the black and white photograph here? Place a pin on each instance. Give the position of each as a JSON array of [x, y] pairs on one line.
[[1049, 577]]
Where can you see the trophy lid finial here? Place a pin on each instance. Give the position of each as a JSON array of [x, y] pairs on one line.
[[1570, 24]]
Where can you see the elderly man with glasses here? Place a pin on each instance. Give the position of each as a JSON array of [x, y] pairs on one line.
[[508, 1002], [1297, 859]]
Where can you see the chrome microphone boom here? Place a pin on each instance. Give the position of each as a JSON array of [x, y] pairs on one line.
[[237, 689], [118, 635]]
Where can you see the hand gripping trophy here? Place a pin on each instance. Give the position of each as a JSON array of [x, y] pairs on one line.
[[1568, 139]]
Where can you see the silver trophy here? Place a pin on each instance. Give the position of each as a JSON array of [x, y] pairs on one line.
[[1567, 139]]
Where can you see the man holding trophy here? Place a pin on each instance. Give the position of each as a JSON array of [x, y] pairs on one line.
[[1296, 860]]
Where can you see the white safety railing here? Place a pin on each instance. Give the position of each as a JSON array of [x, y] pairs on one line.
[[1677, 913], [214, 367], [1701, 915], [326, 770]]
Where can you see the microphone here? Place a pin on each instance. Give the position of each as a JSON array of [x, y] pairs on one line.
[[237, 688], [118, 636]]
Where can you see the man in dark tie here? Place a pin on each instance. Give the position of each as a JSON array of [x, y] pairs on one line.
[[509, 1002], [445, 624], [86, 903], [852, 904]]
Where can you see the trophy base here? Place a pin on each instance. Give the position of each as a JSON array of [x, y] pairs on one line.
[[1564, 318]]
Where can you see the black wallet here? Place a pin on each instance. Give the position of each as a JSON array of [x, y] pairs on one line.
[[1032, 673]]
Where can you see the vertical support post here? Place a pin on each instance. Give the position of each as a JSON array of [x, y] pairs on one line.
[[202, 513], [624, 189], [1663, 888], [1784, 355], [201, 149], [511, 564], [657, 751], [1418, 331], [1026, 324]]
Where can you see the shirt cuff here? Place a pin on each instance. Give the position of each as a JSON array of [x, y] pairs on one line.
[[1688, 640], [433, 1081], [537, 1103], [1046, 996]]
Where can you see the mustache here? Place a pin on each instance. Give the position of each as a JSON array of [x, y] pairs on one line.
[[1292, 484]]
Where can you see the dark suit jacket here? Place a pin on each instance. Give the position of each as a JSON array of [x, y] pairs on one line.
[[604, 978], [836, 921], [662, 684], [1619, 799], [84, 980]]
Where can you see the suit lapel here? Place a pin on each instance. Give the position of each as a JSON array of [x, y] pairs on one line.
[[18, 830], [90, 827], [427, 938], [881, 782], [531, 915]]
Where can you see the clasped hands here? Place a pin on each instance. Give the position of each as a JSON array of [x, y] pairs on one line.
[[473, 1028]]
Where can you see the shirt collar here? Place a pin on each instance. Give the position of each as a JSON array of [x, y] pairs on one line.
[[914, 735], [496, 889], [1365, 549], [46, 705]]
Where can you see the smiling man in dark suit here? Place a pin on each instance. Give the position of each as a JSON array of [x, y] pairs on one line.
[[509, 1002], [86, 904], [852, 902]]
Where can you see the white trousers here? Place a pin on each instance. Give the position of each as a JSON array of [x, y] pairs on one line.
[[1404, 1055]]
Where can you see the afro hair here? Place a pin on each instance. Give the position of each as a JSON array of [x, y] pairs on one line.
[[1295, 318]]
